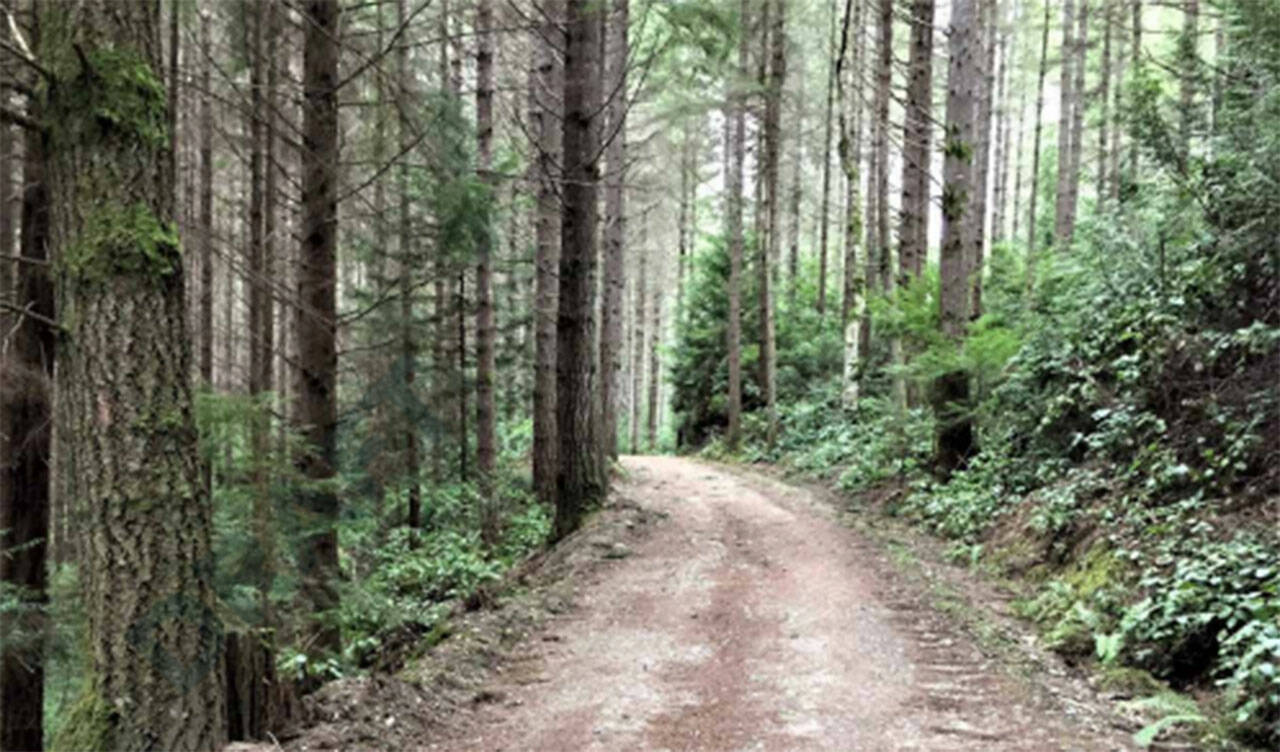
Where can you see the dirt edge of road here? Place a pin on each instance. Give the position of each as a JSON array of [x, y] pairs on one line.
[[979, 602], [431, 696]]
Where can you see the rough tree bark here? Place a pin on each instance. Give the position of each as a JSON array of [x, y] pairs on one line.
[[853, 302], [408, 329], [1077, 120], [736, 114], [880, 138], [825, 206], [546, 130], [316, 409], [1104, 101], [580, 484], [954, 441], [1035, 150], [153, 676], [1001, 123], [638, 322], [769, 251], [1066, 105], [615, 281], [206, 201], [794, 194], [486, 440], [982, 152], [655, 367], [1188, 73], [913, 229]]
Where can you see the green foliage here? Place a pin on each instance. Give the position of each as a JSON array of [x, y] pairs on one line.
[[122, 240], [106, 94]]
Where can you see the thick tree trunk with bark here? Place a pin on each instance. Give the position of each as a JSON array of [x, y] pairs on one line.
[[547, 94], [849, 94], [1077, 121], [1035, 149], [770, 250], [794, 195], [154, 678], [316, 409], [913, 232], [638, 323], [206, 202], [954, 441], [580, 484], [1188, 73], [880, 252], [982, 152], [735, 150], [655, 369], [1066, 105], [408, 328], [615, 283], [486, 440], [824, 224], [1104, 101], [1002, 125]]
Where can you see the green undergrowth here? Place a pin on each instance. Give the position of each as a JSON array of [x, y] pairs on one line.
[[1127, 469]]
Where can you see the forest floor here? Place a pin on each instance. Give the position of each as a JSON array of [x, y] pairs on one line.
[[713, 608]]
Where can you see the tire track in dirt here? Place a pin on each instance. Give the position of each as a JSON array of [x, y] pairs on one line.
[[750, 620]]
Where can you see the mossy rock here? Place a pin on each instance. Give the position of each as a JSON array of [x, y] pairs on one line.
[[1099, 569], [1134, 682]]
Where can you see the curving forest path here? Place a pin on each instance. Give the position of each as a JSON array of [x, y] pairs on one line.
[[750, 619]]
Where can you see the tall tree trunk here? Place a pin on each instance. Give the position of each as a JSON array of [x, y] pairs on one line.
[[655, 368], [824, 223], [1188, 73], [770, 250], [316, 411], [982, 153], [913, 230], [1104, 101], [964, 83], [1019, 143], [252, 13], [880, 137], [408, 327], [260, 312], [26, 374], [1002, 125], [1135, 63], [1066, 104], [486, 440], [682, 220], [132, 462], [1035, 150], [615, 282], [638, 323], [1077, 120], [460, 372], [794, 194], [853, 302], [547, 93], [8, 268], [580, 485], [206, 202], [1120, 65], [735, 148]]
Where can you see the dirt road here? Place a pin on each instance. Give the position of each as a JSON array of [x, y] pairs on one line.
[[750, 620]]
